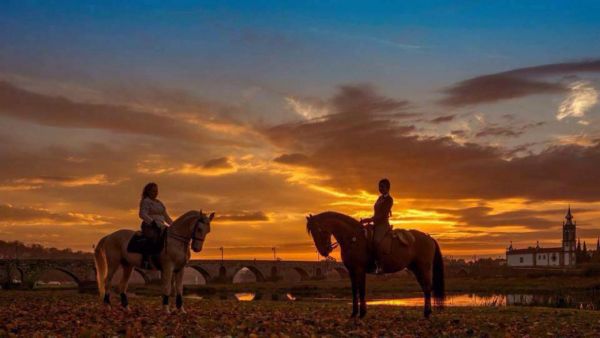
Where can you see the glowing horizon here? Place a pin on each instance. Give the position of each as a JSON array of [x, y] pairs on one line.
[[266, 112]]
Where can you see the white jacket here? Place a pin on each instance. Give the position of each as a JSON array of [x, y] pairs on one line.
[[154, 210]]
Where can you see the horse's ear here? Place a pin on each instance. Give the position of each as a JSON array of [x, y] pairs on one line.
[[211, 216]]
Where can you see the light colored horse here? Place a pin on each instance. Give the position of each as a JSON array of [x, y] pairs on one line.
[[111, 253]]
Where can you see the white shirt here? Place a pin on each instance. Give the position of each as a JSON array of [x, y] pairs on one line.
[[153, 210]]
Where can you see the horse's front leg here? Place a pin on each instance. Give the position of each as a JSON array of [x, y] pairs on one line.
[[354, 284], [179, 288], [167, 282]]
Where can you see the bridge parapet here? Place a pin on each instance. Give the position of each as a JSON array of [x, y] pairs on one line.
[[28, 271]]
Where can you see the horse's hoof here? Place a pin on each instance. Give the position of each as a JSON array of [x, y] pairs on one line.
[[182, 310], [167, 310], [127, 309], [363, 314]]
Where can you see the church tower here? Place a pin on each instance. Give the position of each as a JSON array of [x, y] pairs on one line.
[[569, 238]]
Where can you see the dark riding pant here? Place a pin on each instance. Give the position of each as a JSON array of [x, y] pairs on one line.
[[379, 232]]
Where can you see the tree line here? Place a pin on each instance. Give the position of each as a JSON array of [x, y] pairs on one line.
[[20, 250]]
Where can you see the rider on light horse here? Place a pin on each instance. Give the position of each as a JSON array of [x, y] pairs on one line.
[[154, 218]]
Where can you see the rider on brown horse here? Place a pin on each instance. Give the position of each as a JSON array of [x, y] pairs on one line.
[[382, 212], [154, 218]]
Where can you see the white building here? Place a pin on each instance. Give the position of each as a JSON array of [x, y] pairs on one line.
[[563, 256]]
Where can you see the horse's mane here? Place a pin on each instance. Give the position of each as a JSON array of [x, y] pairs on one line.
[[186, 216], [333, 214]]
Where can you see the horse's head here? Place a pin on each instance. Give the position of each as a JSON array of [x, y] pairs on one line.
[[201, 228], [321, 236]]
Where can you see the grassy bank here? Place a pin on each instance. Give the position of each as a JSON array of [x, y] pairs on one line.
[[52, 312]]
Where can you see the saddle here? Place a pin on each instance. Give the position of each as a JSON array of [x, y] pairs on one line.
[[150, 246], [396, 236], [393, 236]]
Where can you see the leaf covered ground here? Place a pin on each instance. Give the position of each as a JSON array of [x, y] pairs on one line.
[[46, 313]]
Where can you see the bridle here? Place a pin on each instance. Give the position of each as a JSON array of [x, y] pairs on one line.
[[331, 246], [185, 239]]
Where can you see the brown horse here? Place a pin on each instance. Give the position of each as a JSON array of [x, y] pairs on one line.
[[111, 253], [423, 257]]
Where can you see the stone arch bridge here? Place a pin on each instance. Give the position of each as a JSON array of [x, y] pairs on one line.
[[28, 271]]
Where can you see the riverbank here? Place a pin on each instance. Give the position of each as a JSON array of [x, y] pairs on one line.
[[407, 284], [46, 313]]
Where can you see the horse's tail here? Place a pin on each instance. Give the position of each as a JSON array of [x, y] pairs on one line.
[[101, 267], [439, 292]]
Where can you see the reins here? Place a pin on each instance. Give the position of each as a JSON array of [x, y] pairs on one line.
[[184, 239]]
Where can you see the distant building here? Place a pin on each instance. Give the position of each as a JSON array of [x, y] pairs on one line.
[[564, 256]]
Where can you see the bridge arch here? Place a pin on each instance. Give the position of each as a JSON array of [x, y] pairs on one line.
[[303, 274], [342, 272], [15, 275], [36, 276], [257, 273], [202, 271], [274, 273]]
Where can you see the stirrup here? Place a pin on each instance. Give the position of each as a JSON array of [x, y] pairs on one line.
[[378, 270], [146, 264]]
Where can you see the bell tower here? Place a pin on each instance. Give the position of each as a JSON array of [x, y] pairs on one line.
[[569, 238]]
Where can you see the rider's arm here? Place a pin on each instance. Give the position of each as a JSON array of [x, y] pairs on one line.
[[168, 218], [144, 211]]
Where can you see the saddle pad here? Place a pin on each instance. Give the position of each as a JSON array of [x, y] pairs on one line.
[[404, 236], [143, 245]]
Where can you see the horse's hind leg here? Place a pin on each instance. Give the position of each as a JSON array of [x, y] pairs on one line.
[[424, 277], [127, 269], [112, 268]]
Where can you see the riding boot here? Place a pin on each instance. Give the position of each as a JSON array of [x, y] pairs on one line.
[[146, 262]]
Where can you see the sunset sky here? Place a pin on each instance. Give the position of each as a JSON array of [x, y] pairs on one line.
[[485, 117]]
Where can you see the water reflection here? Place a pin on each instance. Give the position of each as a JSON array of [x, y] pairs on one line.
[[497, 300], [452, 300], [245, 296], [587, 301]]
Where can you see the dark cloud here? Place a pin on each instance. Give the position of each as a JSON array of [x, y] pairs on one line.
[[218, 163], [243, 216], [10, 213], [293, 159], [483, 216], [496, 87], [513, 84], [363, 99], [54, 111], [499, 131], [442, 119], [355, 149], [510, 130]]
